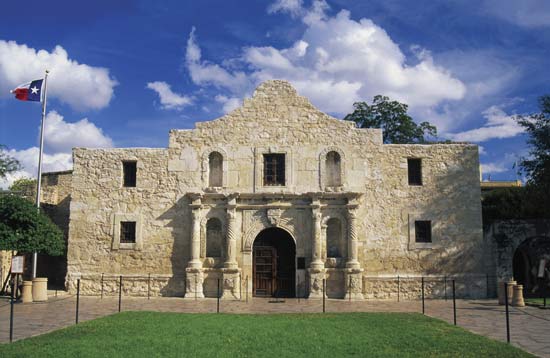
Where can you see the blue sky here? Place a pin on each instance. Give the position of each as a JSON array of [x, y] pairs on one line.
[[125, 72]]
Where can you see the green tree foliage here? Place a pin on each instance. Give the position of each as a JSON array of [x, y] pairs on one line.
[[397, 126], [513, 203], [24, 187], [7, 164], [537, 165], [25, 229]]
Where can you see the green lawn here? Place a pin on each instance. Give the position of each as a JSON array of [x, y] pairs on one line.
[[538, 301], [154, 334]]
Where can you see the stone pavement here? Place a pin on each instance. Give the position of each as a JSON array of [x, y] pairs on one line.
[[529, 326]]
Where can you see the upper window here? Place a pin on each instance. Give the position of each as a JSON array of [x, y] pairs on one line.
[[214, 238], [333, 169], [334, 233], [274, 169], [129, 169], [414, 166], [215, 170], [423, 231], [127, 232]]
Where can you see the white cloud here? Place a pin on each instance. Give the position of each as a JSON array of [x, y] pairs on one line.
[[229, 104], [59, 139], [336, 62], [61, 136], [293, 7], [526, 13], [481, 150], [79, 85], [29, 160], [169, 99], [493, 168], [498, 125]]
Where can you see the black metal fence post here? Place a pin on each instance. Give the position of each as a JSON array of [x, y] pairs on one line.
[[324, 288], [120, 294], [422, 294], [77, 299], [487, 285], [507, 312], [149, 287], [246, 289], [445, 287], [454, 303], [102, 286], [349, 289], [398, 287], [195, 288], [218, 298], [12, 301], [240, 286]]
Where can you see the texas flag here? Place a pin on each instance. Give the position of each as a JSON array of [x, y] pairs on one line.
[[30, 91]]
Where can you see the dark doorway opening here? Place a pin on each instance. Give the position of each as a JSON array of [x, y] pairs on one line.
[[526, 265], [274, 256]]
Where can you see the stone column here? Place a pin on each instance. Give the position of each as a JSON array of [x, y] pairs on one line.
[[354, 272], [194, 277], [317, 266], [231, 271]]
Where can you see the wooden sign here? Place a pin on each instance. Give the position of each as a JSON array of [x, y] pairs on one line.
[[17, 264]]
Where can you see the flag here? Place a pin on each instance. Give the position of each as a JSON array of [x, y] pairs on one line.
[[30, 91]]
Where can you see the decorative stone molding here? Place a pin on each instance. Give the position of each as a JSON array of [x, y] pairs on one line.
[[322, 170], [274, 216], [217, 214], [259, 169], [205, 169], [254, 221]]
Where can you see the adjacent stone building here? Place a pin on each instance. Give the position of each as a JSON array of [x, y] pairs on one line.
[[274, 198]]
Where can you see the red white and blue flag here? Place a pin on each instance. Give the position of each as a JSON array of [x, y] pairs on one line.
[[30, 91]]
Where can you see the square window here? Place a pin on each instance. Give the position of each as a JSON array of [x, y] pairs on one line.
[[127, 232], [414, 166], [129, 169], [274, 169], [423, 231]]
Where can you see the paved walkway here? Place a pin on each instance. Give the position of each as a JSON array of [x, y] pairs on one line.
[[529, 326]]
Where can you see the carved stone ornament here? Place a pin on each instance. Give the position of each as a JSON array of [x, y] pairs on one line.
[[274, 216]]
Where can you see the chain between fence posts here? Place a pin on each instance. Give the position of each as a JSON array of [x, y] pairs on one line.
[[454, 303], [398, 287], [507, 317], [102, 286], [120, 294], [149, 287], [77, 299], [12, 299], [422, 294], [324, 288], [218, 298]]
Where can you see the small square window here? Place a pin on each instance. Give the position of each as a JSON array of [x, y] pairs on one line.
[[274, 169], [301, 263], [423, 231], [127, 232], [415, 171], [129, 169]]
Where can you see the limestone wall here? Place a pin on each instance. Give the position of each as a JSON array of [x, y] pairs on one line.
[[276, 120]]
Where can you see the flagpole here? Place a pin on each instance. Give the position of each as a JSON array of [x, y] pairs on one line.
[[39, 179]]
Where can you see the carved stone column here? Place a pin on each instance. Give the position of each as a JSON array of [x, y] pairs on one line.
[[231, 271], [317, 266], [194, 276], [354, 272]]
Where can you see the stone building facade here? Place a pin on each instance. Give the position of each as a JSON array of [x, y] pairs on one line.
[[274, 198]]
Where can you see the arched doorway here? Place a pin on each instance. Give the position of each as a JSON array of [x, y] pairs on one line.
[[274, 264], [526, 264]]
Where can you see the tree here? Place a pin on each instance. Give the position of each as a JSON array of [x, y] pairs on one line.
[[537, 165], [25, 229], [8, 164], [24, 187], [398, 127]]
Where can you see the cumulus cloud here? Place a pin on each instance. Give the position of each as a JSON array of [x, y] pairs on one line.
[[498, 125], [79, 85], [59, 139], [493, 168], [293, 7], [336, 62], [169, 99], [62, 136], [229, 104]]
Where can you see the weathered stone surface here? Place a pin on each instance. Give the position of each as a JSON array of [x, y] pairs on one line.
[[374, 202]]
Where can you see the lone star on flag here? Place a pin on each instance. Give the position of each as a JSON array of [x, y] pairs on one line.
[[34, 90], [29, 91]]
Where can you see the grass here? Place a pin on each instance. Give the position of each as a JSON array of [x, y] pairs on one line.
[[155, 334], [537, 301]]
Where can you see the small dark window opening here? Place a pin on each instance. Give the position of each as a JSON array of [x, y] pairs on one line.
[[129, 170], [127, 232], [334, 232], [274, 169], [214, 238], [301, 263], [423, 231], [415, 171]]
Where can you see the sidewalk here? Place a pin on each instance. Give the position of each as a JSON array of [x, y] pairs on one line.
[[529, 326]]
